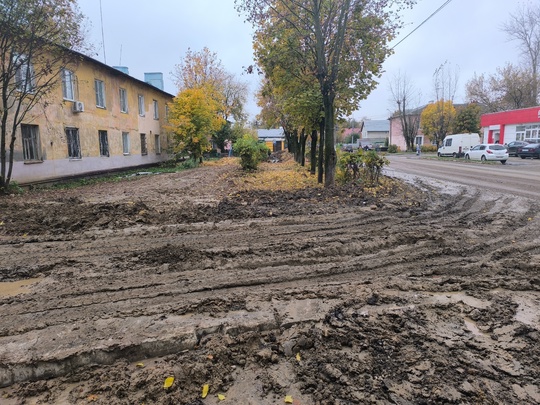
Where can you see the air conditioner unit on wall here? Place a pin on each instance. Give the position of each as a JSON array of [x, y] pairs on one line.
[[78, 106]]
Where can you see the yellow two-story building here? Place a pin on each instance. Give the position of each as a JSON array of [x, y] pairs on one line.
[[98, 119]]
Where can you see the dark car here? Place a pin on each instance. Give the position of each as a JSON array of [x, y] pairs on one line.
[[515, 147], [531, 150]]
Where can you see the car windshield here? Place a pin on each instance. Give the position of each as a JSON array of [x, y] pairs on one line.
[[496, 147]]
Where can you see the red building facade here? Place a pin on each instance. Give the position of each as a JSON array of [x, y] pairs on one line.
[[515, 125]]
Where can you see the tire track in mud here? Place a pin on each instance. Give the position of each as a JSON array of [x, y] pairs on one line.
[[458, 243], [347, 256]]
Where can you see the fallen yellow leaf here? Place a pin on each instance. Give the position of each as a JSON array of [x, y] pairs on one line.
[[205, 390], [221, 397], [288, 399], [140, 365], [298, 357], [168, 382]]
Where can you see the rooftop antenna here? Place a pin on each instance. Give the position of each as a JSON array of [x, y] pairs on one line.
[[102, 33]]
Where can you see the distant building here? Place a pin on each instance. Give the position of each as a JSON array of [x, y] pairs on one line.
[[273, 138], [98, 119], [375, 131], [396, 129], [508, 126]]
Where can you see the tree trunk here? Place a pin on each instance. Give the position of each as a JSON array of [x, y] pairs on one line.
[[320, 162], [302, 147], [330, 157], [313, 154]]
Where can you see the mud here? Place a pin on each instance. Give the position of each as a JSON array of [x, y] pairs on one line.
[[423, 295]]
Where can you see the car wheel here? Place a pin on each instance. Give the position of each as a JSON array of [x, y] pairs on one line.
[[467, 156], [503, 162], [438, 154], [483, 158]]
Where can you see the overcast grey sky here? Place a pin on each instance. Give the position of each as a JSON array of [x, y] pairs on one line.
[[153, 36]]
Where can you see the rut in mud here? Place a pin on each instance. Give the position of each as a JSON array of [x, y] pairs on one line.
[[331, 296]]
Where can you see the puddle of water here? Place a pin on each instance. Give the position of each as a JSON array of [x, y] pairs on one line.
[[12, 288], [454, 297], [527, 311]]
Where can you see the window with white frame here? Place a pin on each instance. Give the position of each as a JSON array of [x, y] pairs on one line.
[[418, 140], [103, 144], [520, 132], [156, 110], [141, 105], [68, 87], [25, 79], [125, 143], [123, 100], [144, 147], [100, 93], [157, 144], [31, 144], [73, 143]]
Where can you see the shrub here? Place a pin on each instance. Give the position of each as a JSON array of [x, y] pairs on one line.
[[364, 165], [373, 165], [250, 151], [393, 148], [429, 148]]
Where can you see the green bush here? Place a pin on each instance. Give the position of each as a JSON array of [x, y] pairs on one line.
[[393, 148], [250, 151], [13, 188], [363, 165]]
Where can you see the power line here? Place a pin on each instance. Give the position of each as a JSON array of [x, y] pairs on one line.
[[102, 32], [423, 22]]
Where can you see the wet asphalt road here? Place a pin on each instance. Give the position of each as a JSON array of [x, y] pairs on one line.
[[520, 177]]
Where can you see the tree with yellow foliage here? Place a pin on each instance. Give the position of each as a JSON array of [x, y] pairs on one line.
[[193, 116], [436, 120], [203, 69]]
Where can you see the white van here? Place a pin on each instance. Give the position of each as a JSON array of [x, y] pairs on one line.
[[457, 144]]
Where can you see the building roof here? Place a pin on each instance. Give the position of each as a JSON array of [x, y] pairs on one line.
[[115, 72], [271, 133], [376, 126]]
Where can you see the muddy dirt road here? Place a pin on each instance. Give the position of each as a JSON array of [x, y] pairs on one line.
[[310, 296]]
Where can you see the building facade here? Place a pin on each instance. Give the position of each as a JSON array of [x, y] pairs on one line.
[[274, 139], [507, 126], [98, 119]]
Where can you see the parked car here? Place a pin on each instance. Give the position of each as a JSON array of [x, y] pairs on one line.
[[531, 150], [515, 147], [488, 151]]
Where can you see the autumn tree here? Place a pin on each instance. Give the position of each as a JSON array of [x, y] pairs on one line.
[[436, 120], [467, 119], [406, 98], [289, 95], [523, 26], [36, 40], [193, 114], [342, 43], [445, 82], [203, 70], [507, 89]]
